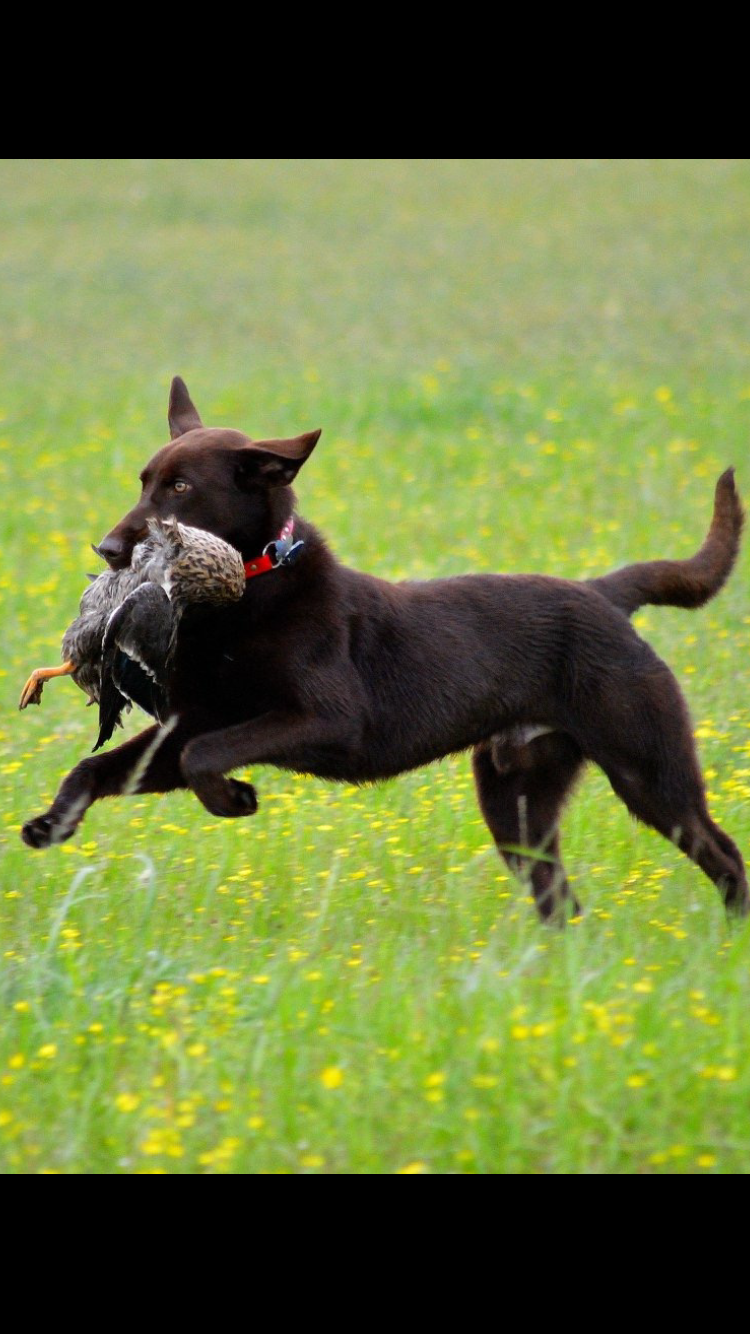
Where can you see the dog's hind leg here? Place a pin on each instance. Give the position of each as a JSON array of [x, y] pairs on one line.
[[522, 787], [686, 822], [643, 741]]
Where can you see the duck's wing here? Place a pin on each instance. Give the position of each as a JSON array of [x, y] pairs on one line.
[[82, 641], [134, 654]]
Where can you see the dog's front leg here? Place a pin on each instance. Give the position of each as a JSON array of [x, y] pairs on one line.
[[148, 762], [306, 743]]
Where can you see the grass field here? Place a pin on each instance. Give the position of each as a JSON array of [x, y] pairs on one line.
[[517, 365]]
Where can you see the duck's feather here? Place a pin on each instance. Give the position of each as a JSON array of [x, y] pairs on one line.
[[135, 654]]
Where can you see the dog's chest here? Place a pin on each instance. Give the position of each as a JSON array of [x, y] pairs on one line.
[[228, 668]]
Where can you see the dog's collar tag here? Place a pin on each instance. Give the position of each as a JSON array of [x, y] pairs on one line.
[[282, 551]]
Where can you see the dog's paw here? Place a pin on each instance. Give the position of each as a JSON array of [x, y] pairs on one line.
[[244, 795], [55, 826], [39, 833], [737, 905], [226, 797]]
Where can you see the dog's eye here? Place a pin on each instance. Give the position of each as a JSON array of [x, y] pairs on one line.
[[179, 485]]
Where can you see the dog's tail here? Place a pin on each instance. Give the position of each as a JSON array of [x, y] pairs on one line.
[[683, 583]]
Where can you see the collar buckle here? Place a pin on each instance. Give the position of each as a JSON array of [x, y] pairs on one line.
[[282, 551]]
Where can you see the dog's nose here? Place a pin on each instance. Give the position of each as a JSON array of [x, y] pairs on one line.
[[111, 549]]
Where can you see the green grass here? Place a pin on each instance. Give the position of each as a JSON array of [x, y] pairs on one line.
[[517, 365]]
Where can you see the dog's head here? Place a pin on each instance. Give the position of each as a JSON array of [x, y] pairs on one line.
[[215, 479]]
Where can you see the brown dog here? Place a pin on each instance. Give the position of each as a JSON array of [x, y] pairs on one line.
[[323, 670]]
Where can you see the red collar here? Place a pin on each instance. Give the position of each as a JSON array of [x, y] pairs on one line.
[[281, 552]]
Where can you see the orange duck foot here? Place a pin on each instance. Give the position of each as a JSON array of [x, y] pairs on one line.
[[32, 691]]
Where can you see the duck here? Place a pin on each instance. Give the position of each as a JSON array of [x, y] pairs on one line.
[[119, 648]]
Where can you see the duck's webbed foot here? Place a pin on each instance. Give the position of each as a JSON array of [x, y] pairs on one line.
[[32, 691]]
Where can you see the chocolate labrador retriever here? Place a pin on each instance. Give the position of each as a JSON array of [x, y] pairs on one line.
[[323, 670]]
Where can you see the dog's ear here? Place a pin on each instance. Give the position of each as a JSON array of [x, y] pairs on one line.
[[182, 414], [274, 462]]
